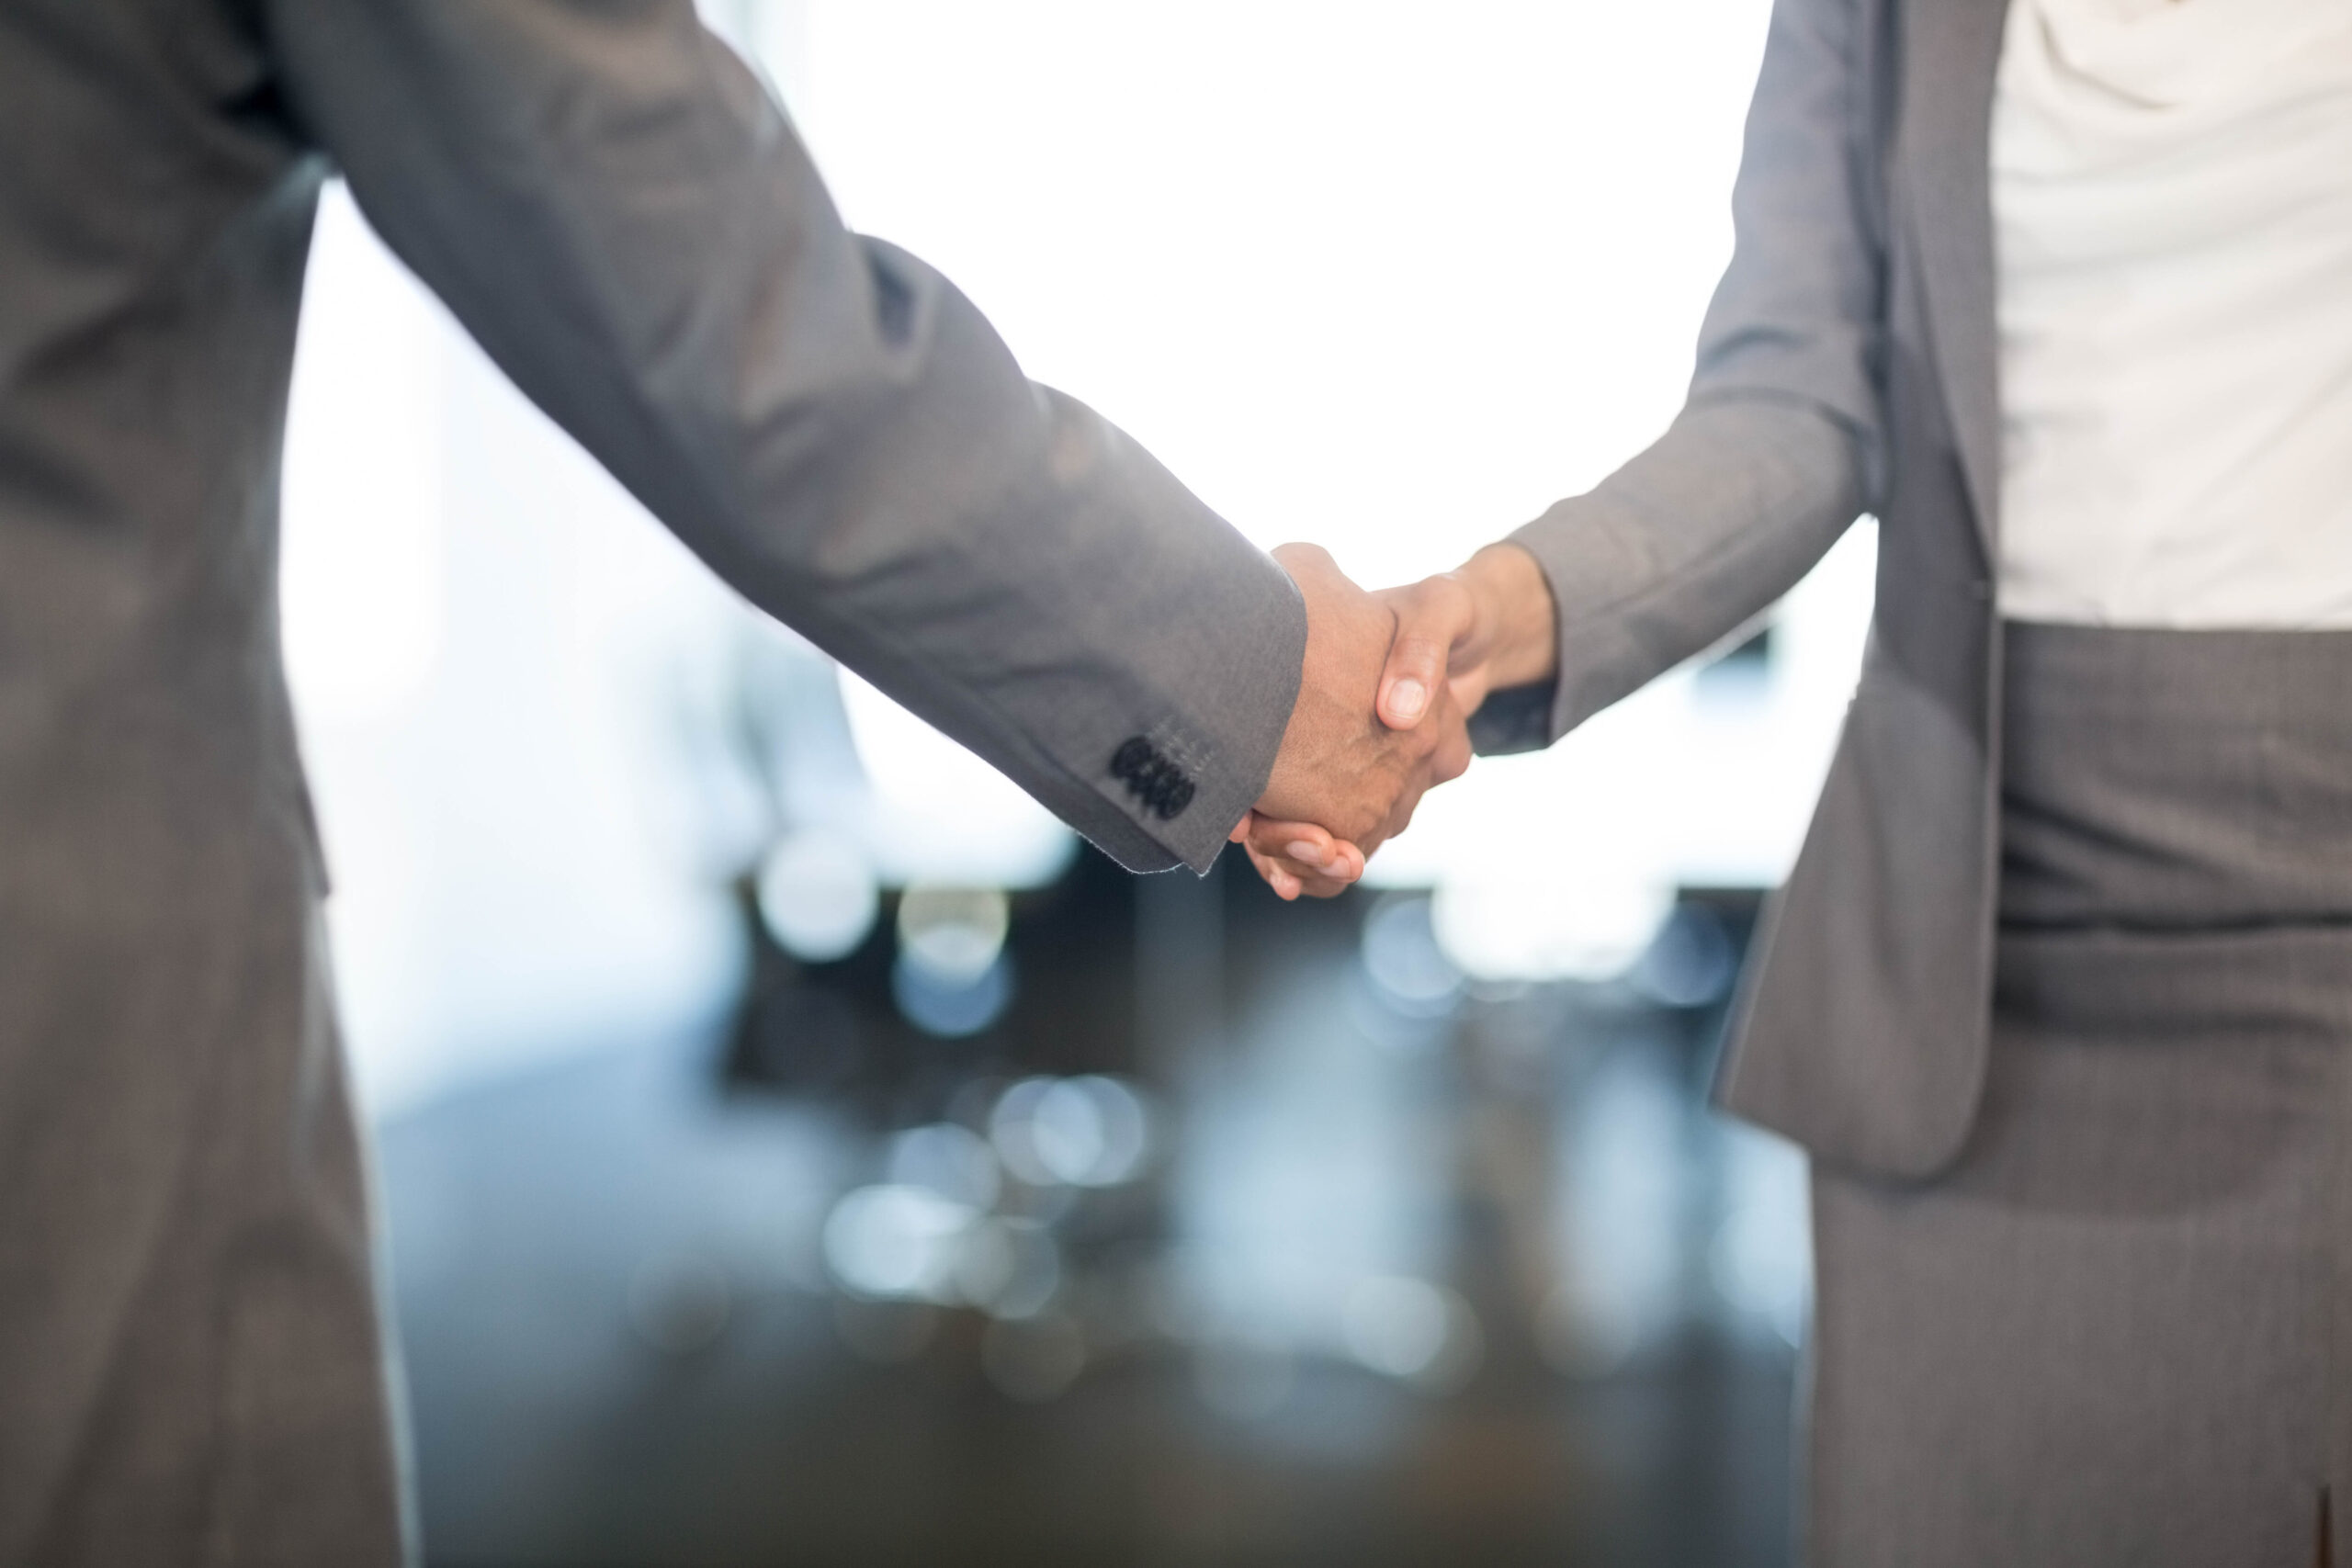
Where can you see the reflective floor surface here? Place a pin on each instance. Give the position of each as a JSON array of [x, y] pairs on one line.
[[1236, 1234]]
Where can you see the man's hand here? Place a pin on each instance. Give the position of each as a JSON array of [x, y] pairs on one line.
[[1487, 625], [1343, 780]]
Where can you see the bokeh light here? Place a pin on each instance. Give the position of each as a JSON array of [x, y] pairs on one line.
[[1503, 928], [1412, 1330], [1691, 961], [894, 1240], [951, 1009], [952, 934], [1009, 1266], [818, 896], [1408, 967], [953, 977], [952, 1161], [1091, 1131]]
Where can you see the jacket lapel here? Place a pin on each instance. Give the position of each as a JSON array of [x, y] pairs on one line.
[[1952, 49]]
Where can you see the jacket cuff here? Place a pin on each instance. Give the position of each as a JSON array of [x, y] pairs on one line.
[[1174, 792]]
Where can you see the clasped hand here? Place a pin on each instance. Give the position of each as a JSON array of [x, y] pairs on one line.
[[1385, 694]]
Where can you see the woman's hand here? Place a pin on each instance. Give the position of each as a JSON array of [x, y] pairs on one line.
[[1299, 857], [1484, 627]]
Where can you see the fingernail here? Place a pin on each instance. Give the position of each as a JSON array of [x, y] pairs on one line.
[[1406, 698], [1305, 853]]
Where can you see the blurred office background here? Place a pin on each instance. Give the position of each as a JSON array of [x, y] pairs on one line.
[[799, 1148]]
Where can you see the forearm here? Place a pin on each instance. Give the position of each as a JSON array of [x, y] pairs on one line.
[[611, 203], [1517, 609], [1708, 526]]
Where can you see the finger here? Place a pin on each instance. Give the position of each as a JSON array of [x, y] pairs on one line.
[[1433, 615], [1321, 865], [1305, 845], [1284, 880], [1289, 879], [1323, 887], [1469, 688], [1452, 757], [1303, 560], [1284, 885]]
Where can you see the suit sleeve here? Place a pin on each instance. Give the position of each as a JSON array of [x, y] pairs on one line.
[[617, 209], [1776, 451]]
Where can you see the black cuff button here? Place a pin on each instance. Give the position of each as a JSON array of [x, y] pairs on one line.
[[1151, 778], [1132, 757]]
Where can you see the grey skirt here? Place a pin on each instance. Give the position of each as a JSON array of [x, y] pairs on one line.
[[2114, 1332]]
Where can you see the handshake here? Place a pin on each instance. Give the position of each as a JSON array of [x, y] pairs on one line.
[[1385, 694]]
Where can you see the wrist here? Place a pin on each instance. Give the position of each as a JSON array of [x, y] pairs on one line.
[[1514, 599]]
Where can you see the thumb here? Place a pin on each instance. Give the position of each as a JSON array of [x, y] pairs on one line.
[[1305, 561], [1431, 616]]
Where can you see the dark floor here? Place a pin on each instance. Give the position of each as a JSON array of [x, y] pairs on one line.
[[624, 1349]]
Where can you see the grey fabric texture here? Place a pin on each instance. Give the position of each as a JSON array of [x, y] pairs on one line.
[[2111, 1331], [615, 208], [189, 1367], [2176, 779], [1845, 364]]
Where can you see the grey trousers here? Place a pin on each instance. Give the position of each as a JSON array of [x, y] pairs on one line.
[[2114, 1331]]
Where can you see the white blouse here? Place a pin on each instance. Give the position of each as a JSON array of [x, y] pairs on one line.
[[2172, 202]]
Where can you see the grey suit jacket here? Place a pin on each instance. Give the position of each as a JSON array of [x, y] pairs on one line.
[[189, 1360], [1847, 365]]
